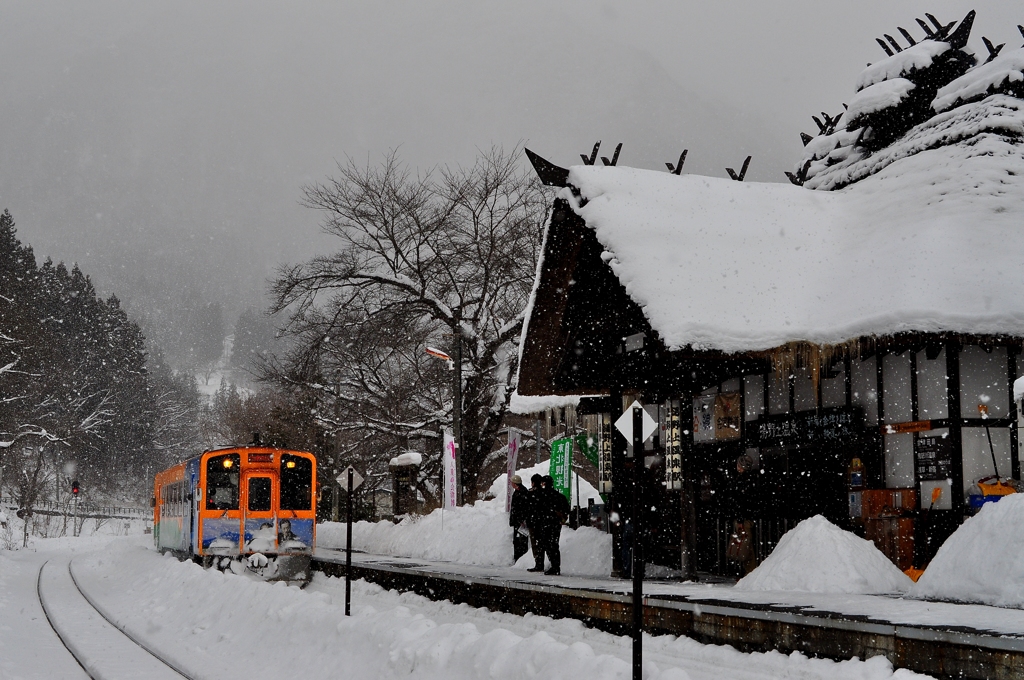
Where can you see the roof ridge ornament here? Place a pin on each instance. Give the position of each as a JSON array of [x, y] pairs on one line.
[[550, 174], [742, 173], [677, 169], [615, 156], [593, 154]]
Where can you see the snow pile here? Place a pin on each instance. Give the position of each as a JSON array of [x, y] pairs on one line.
[[817, 556], [475, 534], [983, 561], [915, 58], [407, 458], [982, 81], [878, 96]]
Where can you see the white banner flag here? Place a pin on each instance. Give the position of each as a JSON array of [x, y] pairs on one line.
[[450, 499], [514, 439]]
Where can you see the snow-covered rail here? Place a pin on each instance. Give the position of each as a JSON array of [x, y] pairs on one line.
[[105, 650]]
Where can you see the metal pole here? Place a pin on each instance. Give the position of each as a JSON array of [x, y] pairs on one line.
[[335, 486], [348, 548], [457, 405], [74, 522], [638, 542]]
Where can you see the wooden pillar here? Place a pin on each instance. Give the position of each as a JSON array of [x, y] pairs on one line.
[[1011, 360], [955, 422]]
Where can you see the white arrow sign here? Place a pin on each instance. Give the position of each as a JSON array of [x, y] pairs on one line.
[[625, 423], [357, 478]]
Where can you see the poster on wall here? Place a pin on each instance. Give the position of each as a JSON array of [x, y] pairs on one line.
[[450, 499], [704, 418], [514, 439], [561, 465], [727, 416]]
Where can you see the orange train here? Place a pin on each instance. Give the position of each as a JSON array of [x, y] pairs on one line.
[[240, 508]]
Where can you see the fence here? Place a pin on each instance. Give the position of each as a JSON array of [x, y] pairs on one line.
[[84, 511]]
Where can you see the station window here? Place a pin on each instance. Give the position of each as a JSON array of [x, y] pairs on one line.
[[259, 494], [222, 482], [296, 482]]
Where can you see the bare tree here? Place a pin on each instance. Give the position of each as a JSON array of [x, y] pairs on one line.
[[421, 259]]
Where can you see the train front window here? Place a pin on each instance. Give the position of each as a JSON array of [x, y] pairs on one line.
[[222, 482], [296, 482], [259, 494]]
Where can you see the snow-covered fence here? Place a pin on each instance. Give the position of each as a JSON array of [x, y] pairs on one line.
[[84, 511]]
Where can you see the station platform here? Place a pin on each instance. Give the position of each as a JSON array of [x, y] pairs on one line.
[[942, 639]]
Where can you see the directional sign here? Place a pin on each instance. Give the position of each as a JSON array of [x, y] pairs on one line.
[[357, 479], [625, 423]]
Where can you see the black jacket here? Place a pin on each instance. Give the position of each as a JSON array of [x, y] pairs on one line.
[[519, 511], [551, 508]]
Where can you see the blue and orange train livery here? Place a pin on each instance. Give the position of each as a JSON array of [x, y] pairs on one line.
[[244, 508]]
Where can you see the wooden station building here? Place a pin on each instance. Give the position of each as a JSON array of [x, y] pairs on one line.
[[844, 345]]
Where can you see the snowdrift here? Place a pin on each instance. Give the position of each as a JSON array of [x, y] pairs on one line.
[[983, 561], [817, 556], [477, 534]]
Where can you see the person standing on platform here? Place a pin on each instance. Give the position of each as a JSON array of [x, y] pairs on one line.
[[534, 521], [555, 512], [519, 512]]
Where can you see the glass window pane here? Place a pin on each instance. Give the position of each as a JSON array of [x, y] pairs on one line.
[[296, 482], [222, 482], [259, 494]]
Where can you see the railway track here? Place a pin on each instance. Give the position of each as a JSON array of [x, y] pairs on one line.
[[104, 649]]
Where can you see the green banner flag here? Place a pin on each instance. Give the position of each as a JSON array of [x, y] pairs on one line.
[[561, 465], [588, 445]]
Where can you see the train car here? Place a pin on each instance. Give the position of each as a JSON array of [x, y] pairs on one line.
[[240, 508]]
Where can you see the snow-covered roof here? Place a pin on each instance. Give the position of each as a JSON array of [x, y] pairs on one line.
[[930, 242], [521, 404]]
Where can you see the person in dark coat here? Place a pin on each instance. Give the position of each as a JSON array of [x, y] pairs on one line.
[[554, 511], [534, 521], [519, 512]]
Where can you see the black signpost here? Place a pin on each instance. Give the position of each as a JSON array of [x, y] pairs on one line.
[[638, 542], [352, 481]]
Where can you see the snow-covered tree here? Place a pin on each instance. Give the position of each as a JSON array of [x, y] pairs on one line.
[[420, 259]]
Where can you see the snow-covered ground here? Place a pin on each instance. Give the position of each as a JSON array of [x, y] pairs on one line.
[[226, 626]]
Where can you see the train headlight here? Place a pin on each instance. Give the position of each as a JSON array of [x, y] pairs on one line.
[[290, 464], [228, 462]]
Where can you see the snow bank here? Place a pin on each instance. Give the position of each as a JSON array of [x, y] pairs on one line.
[[817, 556], [983, 561], [407, 458], [475, 534]]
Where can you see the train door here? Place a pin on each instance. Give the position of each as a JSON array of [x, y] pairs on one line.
[[222, 516], [260, 521]]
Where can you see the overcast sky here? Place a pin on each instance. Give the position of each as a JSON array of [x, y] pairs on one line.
[[164, 144]]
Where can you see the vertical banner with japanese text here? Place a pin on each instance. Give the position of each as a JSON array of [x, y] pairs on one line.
[[514, 440], [561, 465], [450, 499]]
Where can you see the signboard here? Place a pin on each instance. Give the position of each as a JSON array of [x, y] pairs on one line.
[[704, 418], [934, 456], [450, 498], [514, 440], [589, 446], [826, 425], [905, 428], [342, 478], [625, 423], [561, 465], [728, 417]]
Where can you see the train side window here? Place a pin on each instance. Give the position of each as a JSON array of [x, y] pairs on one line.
[[296, 482], [222, 482]]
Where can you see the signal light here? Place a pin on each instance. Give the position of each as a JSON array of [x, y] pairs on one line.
[[74, 487]]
